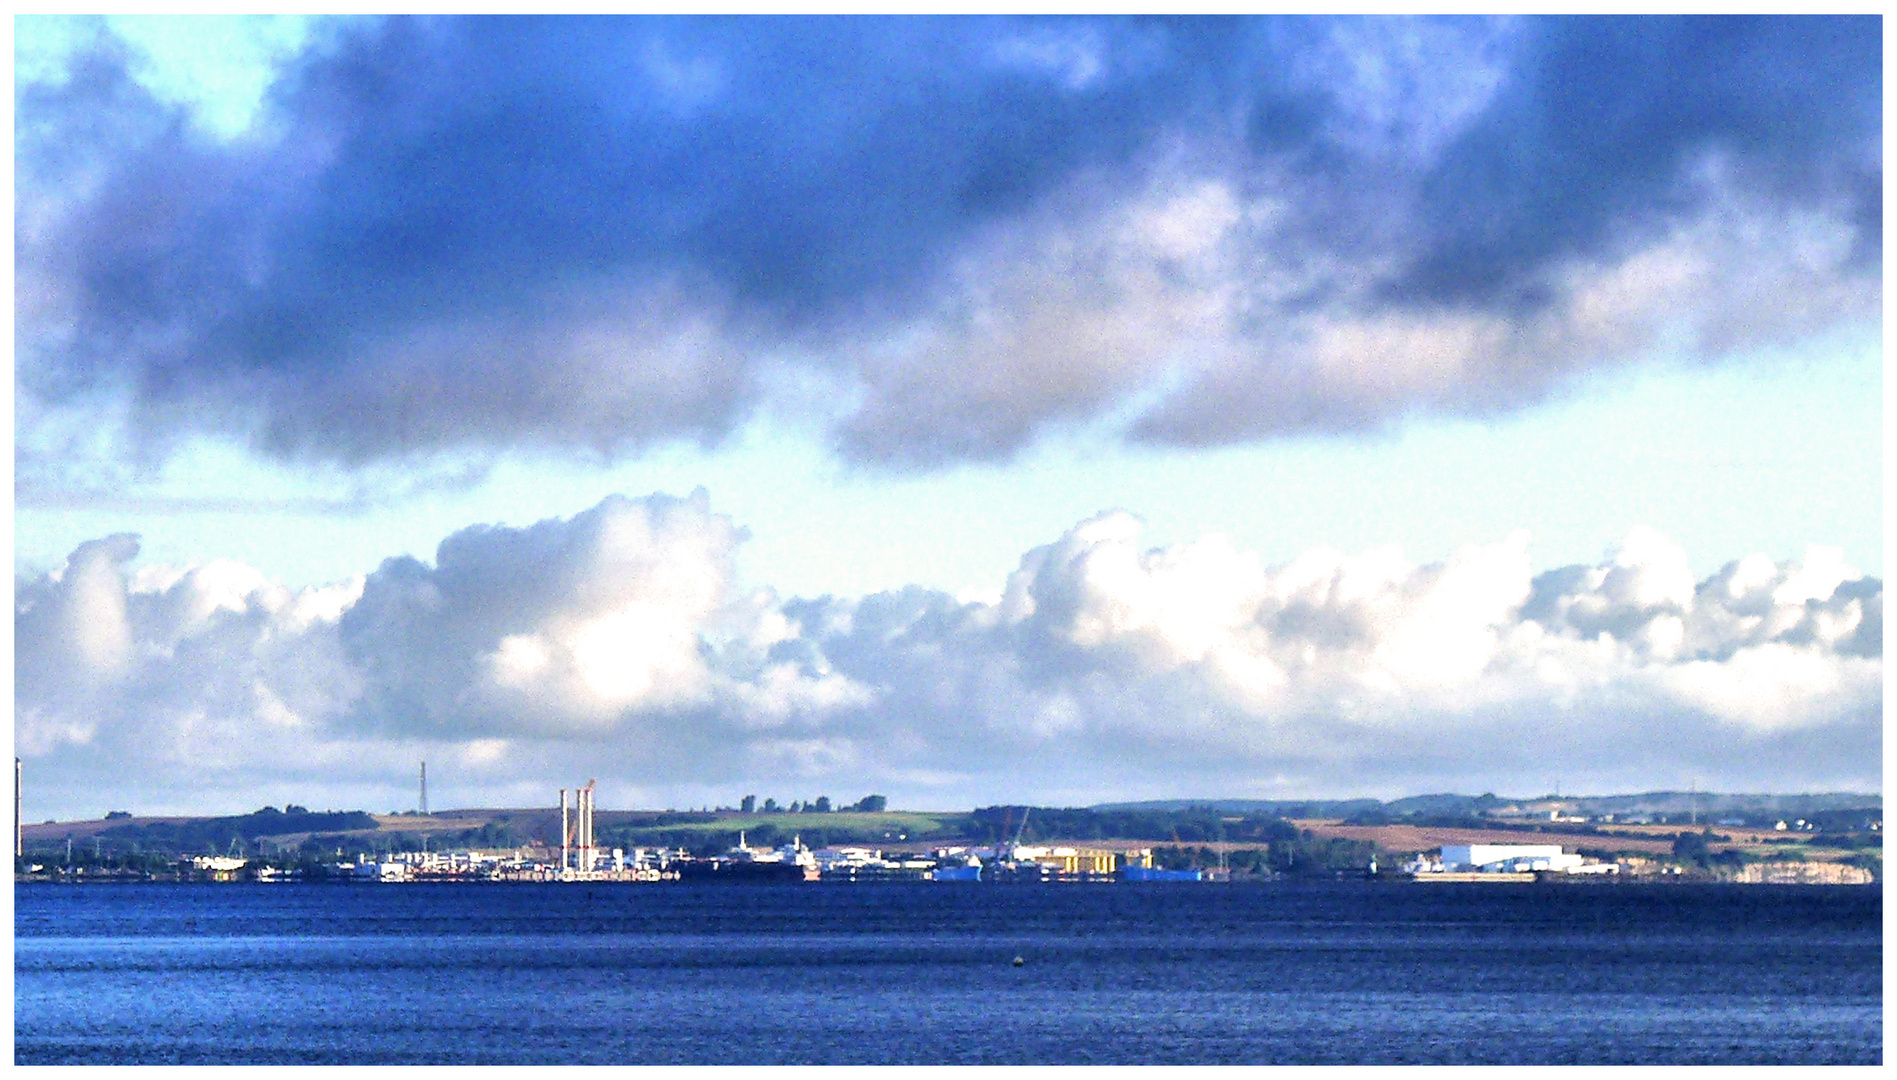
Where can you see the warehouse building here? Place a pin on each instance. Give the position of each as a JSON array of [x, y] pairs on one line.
[[1513, 859]]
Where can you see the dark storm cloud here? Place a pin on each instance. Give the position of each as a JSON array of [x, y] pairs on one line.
[[1587, 140], [600, 234]]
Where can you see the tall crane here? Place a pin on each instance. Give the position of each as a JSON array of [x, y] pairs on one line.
[[1010, 845]]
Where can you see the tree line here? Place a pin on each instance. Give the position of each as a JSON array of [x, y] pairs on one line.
[[868, 804]]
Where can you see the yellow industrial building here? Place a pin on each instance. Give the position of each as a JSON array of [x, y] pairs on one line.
[[1070, 860]]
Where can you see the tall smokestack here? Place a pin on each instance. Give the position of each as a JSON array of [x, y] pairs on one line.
[[586, 828], [563, 829], [424, 789], [579, 828]]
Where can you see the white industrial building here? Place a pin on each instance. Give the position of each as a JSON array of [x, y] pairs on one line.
[[1508, 859]]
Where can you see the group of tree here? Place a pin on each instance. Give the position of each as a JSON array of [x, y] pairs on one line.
[[1193, 824], [869, 804], [245, 833], [1299, 855], [764, 833]]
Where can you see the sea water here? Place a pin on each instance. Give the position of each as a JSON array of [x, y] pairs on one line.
[[1346, 972]]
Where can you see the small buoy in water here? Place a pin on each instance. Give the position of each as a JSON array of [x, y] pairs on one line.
[[1018, 961]]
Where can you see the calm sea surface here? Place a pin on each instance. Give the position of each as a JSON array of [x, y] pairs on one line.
[[1346, 972]]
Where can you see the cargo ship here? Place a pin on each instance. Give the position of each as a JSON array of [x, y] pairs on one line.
[[793, 862], [1146, 873], [969, 870]]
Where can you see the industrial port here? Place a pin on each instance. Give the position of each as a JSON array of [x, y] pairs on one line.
[[579, 858], [864, 842]]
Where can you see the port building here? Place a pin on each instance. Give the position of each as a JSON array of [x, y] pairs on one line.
[[1068, 860], [1512, 859]]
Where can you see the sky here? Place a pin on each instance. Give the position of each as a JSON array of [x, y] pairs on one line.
[[963, 410]]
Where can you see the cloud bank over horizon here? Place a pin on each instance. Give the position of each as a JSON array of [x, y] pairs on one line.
[[936, 240], [615, 644]]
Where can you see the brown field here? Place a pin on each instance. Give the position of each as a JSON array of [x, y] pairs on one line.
[[1646, 839], [79, 830], [434, 823], [1740, 834], [1413, 838]]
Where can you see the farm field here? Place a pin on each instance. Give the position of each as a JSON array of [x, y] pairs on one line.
[[1645, 839]]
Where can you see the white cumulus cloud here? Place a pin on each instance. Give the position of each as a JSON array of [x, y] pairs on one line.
[[615, 643]]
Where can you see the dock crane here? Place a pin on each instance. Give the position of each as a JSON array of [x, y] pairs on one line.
[[1009, 846]]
